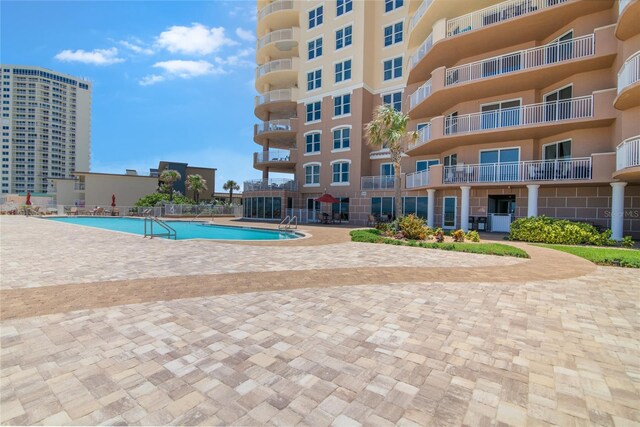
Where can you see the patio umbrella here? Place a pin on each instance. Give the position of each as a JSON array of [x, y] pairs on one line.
[[327, 198], [113, 200], [28, 198]]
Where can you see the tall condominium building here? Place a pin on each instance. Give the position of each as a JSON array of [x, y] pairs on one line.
[[46, 127], [523, 108]]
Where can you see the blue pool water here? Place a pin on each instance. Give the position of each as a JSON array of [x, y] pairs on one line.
[[184, 229]]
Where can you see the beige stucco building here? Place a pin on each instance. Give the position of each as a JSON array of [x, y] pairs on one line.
[[524, 107], [46, 127]]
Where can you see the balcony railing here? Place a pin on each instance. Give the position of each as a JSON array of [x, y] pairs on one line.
[[417, 179], [525, 59], [275, 96], [79, 186], [282, 125], [628, 153], [497, 13], [380, 182], [273, 184], [274, 36], [630, 72], [420, 94], [273, 156], [419, 13], [622, 4], [277, 65], [544, 112], [422, 51], [424, 135], [530, 170], [276, 6]]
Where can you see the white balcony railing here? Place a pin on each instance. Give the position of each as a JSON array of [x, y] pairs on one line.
[[281, 125], [274, 96], [525, 59], [420, 94], [274, 36], [277, 65], [273, 156], [380, 182], [273, 184], [497, 13], [530, 170], [630, 72], [622, 4], [276, 6], [628, 153], [424, 135], [419, 13], [544, 112], [421, 51], [417, 179]]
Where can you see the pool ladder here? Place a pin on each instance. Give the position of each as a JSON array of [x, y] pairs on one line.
[[285, 224], [202, 213], [169, 232]]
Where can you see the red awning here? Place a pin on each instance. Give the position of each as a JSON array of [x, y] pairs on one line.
[[327, 198]]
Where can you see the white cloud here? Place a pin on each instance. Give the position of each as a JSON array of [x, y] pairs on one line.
[[246, 35], [152, 79], [136, 47], [95, 57], [181, 69], [248, 13], [237, 60], [195, 40]]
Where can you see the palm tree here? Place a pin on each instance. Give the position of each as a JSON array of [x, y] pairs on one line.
[[231, 185], [388, 129], [168, 177], [196, 183]]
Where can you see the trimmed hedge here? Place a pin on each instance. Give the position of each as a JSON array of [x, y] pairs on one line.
[[542, 229]]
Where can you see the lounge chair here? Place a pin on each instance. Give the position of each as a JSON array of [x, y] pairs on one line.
[[372, 220], [73, 211], [337, 217]]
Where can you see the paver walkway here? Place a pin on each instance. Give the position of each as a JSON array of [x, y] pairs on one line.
[[547, 341]]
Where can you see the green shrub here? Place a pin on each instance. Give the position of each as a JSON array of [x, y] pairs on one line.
[[543, 229], [412, 227], [473, 236], [458, 236], [627, 242], [155, 199]]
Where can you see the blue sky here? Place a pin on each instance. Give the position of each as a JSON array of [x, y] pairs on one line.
[[171, 80]]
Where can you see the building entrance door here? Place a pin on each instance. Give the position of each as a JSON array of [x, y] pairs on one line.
[[501, 209]]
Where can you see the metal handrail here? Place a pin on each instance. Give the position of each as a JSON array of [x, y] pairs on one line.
[[285, 224], [171, 232], [201, 213]]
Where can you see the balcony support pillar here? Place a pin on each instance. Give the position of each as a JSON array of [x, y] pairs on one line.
[[431, 206], [464, 208], [532, 200], [617, 209], [265, 173]]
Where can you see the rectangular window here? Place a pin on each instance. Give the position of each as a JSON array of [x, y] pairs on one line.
[[314, 79], [341, 138], [557, 150], [343, 6], [312, 143], [315, 17], [312, 174], [340, 172], [343, 71], [424, 165], [393, 34], [343, 37], [342, 105], [315, 48], [313, 111], [393, 99], [450, 160], [390, 5], [387, 169], [449, 212], [393, 68]]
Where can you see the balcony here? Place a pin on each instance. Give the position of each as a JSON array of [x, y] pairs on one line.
[[417, 179], [278, 44], [276, 101], [280, 133], [513, 72], [270, 184], [278, 14], [578, 169], [274, 161], [278, 73], [628, 18], [628, 86], [79, 186], [523, 20], [524, 122], [380, 182], [628, 160]]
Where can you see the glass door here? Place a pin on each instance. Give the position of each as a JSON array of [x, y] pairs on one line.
[[558, 104], [313, 209], [449, 212]]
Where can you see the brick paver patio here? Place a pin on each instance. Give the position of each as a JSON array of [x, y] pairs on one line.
[[419, 338]]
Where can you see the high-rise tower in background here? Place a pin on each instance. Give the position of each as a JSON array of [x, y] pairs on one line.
[[46, 127]]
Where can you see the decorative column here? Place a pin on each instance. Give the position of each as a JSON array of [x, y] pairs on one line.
[[464, 208], [617, 209], [431, 207], [532, 199]]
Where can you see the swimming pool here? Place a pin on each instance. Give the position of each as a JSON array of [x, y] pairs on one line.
[[184, 229]]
